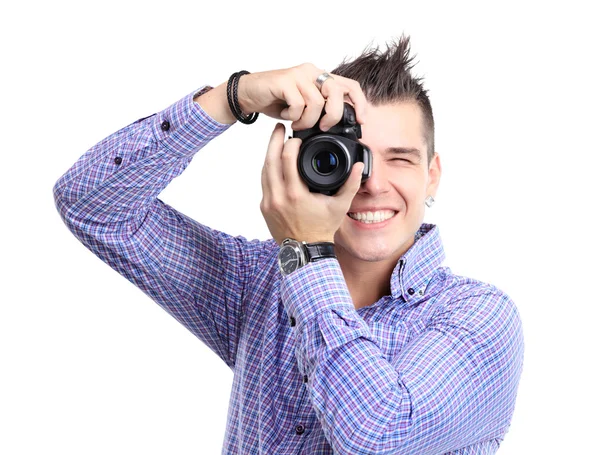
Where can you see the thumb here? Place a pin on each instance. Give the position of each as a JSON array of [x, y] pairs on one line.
[[352, 185]]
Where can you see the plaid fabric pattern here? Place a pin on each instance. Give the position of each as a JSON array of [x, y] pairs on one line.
[[432, 368]]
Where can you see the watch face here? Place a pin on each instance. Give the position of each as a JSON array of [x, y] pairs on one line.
[[288, 259]]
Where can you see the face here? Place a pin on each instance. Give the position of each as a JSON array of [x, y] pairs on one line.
[[399, 182]]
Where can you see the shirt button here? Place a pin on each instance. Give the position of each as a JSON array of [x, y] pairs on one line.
[[165, 125], [118, 160], [292, 321], [411, 291], [305, 378], [299, 429]]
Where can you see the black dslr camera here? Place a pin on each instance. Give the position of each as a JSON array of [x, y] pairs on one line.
[[326, 158]]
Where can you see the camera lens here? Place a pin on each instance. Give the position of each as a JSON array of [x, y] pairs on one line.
[[325, 162]]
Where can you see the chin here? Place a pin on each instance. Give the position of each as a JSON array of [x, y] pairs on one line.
[[373, 250]]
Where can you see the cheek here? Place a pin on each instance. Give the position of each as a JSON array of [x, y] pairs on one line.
[[410, 187]]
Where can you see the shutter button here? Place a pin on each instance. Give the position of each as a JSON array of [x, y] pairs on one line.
[[165, 125], [299, 429]]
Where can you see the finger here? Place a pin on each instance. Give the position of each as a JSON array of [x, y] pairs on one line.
[[289, 160], [358, 99], [295, 102], [272, 166], [314, 106], [352, 185], [334, 106], [353, 90]]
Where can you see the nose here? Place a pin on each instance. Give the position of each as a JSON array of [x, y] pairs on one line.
[[378, 182]]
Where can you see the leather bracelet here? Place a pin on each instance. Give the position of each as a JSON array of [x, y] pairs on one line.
[[232, 99]]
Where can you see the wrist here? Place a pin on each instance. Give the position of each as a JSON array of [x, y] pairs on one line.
[[319, 240], [243, 100], [307, 239], [233, 98], [294, 254], [214, 103]]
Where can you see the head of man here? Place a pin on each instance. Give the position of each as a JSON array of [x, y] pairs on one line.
[[399, 130]]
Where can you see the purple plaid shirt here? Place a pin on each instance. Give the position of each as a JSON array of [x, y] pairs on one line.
[[432, 368]]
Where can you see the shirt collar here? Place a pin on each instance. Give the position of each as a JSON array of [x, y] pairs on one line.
[[415, 268]]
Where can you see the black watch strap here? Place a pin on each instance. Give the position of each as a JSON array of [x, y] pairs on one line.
[[319, 250]]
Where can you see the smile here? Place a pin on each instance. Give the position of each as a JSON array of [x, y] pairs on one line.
[[372, 217]]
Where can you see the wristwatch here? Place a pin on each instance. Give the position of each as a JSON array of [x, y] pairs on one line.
[[294, 254]]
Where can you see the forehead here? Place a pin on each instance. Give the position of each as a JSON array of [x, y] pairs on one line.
[[393, 125]]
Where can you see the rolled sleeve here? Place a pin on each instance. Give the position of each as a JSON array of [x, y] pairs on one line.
[[313, 289]]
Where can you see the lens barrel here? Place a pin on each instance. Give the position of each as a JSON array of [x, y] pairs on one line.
[[324, 162]]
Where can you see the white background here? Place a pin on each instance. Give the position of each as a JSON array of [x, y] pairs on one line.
[[89, 364]]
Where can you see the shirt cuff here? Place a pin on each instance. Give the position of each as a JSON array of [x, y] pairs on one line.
[[313, 289], [184, 127]]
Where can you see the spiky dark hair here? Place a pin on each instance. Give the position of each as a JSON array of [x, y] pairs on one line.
[[385, 78]]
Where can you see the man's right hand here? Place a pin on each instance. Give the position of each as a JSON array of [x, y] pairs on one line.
[[289, 94], [292, 94]]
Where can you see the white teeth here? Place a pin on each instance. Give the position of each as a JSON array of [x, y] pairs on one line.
[[370, 217]]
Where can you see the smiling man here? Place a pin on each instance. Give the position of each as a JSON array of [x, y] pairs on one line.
[[389, 208], [344, 332]]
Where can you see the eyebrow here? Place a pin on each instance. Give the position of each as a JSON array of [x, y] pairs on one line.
[[404, 151]]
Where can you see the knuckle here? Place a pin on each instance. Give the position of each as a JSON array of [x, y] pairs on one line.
[[314, 108], [293, 196], [276, 204], [264, 207], [296, 111], [292, 74], [311, 93], [298, 104]]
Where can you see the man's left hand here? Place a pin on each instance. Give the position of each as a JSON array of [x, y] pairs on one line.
[[288, 207]]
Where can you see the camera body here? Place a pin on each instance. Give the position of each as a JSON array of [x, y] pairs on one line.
[[325, 159]]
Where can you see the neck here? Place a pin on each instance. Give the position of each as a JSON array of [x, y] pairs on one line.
[[367, 281]]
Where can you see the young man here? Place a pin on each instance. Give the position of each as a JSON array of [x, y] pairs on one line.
[[371, 347]]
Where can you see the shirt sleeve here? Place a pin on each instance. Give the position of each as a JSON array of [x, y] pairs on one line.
[[108, 200], [452, 386]]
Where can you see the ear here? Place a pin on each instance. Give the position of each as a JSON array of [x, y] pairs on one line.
[[434, 175]]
